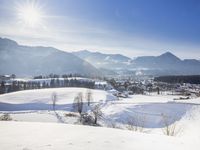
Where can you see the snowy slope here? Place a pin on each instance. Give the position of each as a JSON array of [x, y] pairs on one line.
[[149, 109], [43, 136], [35, 105], [31, 108], [64, 95]]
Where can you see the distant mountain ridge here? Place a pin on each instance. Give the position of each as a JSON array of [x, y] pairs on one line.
[[28, 61], [105, 61], [165, 60], [165, 64]]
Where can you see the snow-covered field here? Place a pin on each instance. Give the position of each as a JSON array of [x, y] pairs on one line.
[[64, 95], [41, 99], [31, 108], [45, 136]]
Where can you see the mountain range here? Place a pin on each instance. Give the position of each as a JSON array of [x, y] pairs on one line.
[[28, 61], [164, 64]]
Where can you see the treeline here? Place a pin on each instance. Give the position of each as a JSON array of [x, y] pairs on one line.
[[13, 86], [60, 76], [193, 79]]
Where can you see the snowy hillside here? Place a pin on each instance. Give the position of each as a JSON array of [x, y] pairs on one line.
[[34, 136], [41, 99], [31, 108]]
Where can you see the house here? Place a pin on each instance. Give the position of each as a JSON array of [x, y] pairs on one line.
[[5, 78], [5, 81]]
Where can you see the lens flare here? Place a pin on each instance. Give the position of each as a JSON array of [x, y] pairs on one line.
[[30, 13]]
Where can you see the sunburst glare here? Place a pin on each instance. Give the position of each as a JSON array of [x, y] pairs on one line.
[[30, 13]]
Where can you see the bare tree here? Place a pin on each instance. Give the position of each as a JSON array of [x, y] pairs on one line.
[[158, 90], [96, 111], [89, 97], [78, 103], [54, 100]]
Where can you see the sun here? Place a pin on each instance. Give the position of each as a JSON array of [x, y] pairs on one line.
[[30, 14]]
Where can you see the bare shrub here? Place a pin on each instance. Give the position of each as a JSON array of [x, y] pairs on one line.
[[87, 119], [136, 123], [169, 128], [5, 117], [97, 113], [54, 100]]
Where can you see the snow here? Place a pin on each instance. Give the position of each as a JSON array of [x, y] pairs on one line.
[[152, 113], [49, 79], [31, 110], [43, 136], [64, 95]]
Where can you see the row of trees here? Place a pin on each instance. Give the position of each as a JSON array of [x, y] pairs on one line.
[[59, 76], [71, 83], [193, 79], [21, 85]]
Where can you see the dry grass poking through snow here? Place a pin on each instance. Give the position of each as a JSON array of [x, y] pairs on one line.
[[170, 129], [136, 123]]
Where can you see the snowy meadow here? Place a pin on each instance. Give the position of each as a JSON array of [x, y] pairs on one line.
[[151, 119]]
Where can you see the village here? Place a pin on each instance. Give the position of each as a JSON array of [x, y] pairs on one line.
[[120, 87]]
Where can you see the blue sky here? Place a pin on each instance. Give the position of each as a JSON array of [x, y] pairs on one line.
[[129, 27]]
